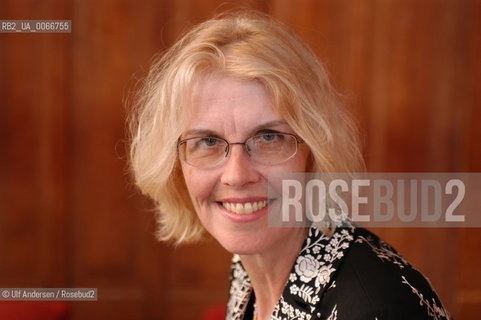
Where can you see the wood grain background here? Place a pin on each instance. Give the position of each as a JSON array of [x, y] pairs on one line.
[[69, 215]]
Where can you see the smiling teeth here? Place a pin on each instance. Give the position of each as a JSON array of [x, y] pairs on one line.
[[245, 208]]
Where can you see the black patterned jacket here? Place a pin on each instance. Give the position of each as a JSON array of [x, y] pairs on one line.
[[350, 275]]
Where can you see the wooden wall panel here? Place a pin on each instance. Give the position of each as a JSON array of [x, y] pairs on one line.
[[69, 215], [110, 42], [33, 134]]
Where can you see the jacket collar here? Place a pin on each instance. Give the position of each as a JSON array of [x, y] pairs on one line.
[[312, 274]]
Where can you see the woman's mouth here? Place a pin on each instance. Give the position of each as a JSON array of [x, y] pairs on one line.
[[246, 207]]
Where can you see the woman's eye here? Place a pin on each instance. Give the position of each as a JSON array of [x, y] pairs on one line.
[[269, 137], [209, 142]]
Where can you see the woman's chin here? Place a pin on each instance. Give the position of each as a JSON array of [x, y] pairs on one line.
[[241, 246]]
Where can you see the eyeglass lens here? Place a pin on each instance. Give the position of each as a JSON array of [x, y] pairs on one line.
[[267, 149]]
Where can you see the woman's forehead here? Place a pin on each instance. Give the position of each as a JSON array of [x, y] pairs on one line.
[[217, 87], [228, 105], [217, 96]]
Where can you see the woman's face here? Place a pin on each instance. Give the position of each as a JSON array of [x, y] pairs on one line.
[[236, 110]]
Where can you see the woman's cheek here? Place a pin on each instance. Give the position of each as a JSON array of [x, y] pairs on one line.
[[200, 188]]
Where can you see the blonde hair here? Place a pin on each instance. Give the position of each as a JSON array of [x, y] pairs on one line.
[[245, 46]]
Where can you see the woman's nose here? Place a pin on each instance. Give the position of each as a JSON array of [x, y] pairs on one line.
[[239, 169]]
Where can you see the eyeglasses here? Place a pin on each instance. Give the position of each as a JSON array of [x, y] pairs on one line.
[[265, 148]]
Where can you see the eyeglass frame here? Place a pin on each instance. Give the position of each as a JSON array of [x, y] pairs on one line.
[[227, 149]]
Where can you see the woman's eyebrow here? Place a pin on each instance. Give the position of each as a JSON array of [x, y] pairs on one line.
[[210, 133], [269, 125], [200, 133]]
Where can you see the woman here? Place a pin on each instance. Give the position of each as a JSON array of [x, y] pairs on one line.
[[240, 97]]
